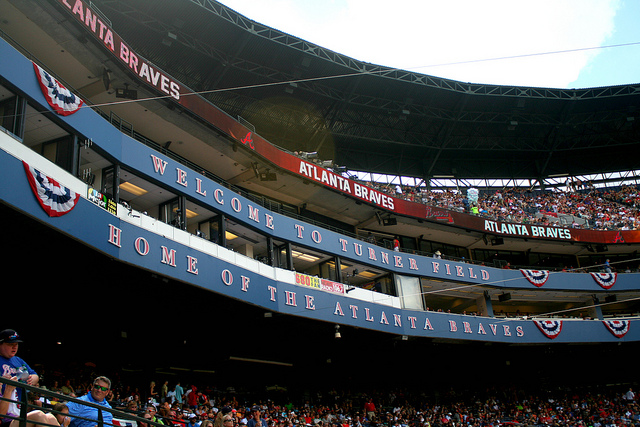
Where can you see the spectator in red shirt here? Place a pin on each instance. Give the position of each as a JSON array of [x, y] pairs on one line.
[[370, 409]]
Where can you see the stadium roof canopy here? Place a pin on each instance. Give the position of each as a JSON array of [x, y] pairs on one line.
[[371, 118]]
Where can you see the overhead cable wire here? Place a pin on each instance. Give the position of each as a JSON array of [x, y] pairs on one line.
[[362, 72]]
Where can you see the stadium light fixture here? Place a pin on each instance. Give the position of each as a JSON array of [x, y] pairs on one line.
[[133, 189]]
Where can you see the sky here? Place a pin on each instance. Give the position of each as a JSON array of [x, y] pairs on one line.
[[561, 44]]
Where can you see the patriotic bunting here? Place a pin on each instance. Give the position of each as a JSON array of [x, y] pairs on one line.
[[55, 199], [606, 280], [550, 328], [536, 277], [618, 328], [59, 98]]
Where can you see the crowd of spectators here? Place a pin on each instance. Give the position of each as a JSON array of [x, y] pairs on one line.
[[590, 207], [199, 404], [204, 406], [594, 208]]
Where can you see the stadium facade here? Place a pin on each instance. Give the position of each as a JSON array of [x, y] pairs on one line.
[[126, 184]]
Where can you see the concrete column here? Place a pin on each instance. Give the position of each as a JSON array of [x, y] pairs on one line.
[[595, 311], [270, 258], [222, 230], [336, 261], [289, 255], [485, 307]]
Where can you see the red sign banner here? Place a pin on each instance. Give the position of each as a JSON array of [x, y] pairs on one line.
[[156, 78]]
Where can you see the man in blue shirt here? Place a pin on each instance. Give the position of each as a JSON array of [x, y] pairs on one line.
[[14, 368], [257, 420], [97, 395]]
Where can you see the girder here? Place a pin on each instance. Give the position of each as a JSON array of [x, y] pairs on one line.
[[301, 96], [296, 43]]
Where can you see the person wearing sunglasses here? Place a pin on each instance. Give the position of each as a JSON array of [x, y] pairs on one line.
[[97, 395]]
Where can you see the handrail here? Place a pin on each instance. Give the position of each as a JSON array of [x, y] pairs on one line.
[[51, 395]]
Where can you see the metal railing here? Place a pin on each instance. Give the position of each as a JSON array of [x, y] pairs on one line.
[[29, 408]]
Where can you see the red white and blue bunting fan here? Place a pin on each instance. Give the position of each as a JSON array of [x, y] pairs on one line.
[[536, 277], [59, 97], [55, 199], [550, 328], [618, 328], [606, 280]]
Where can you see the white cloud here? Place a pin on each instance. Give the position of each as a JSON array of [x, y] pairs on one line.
[[420, 34]]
